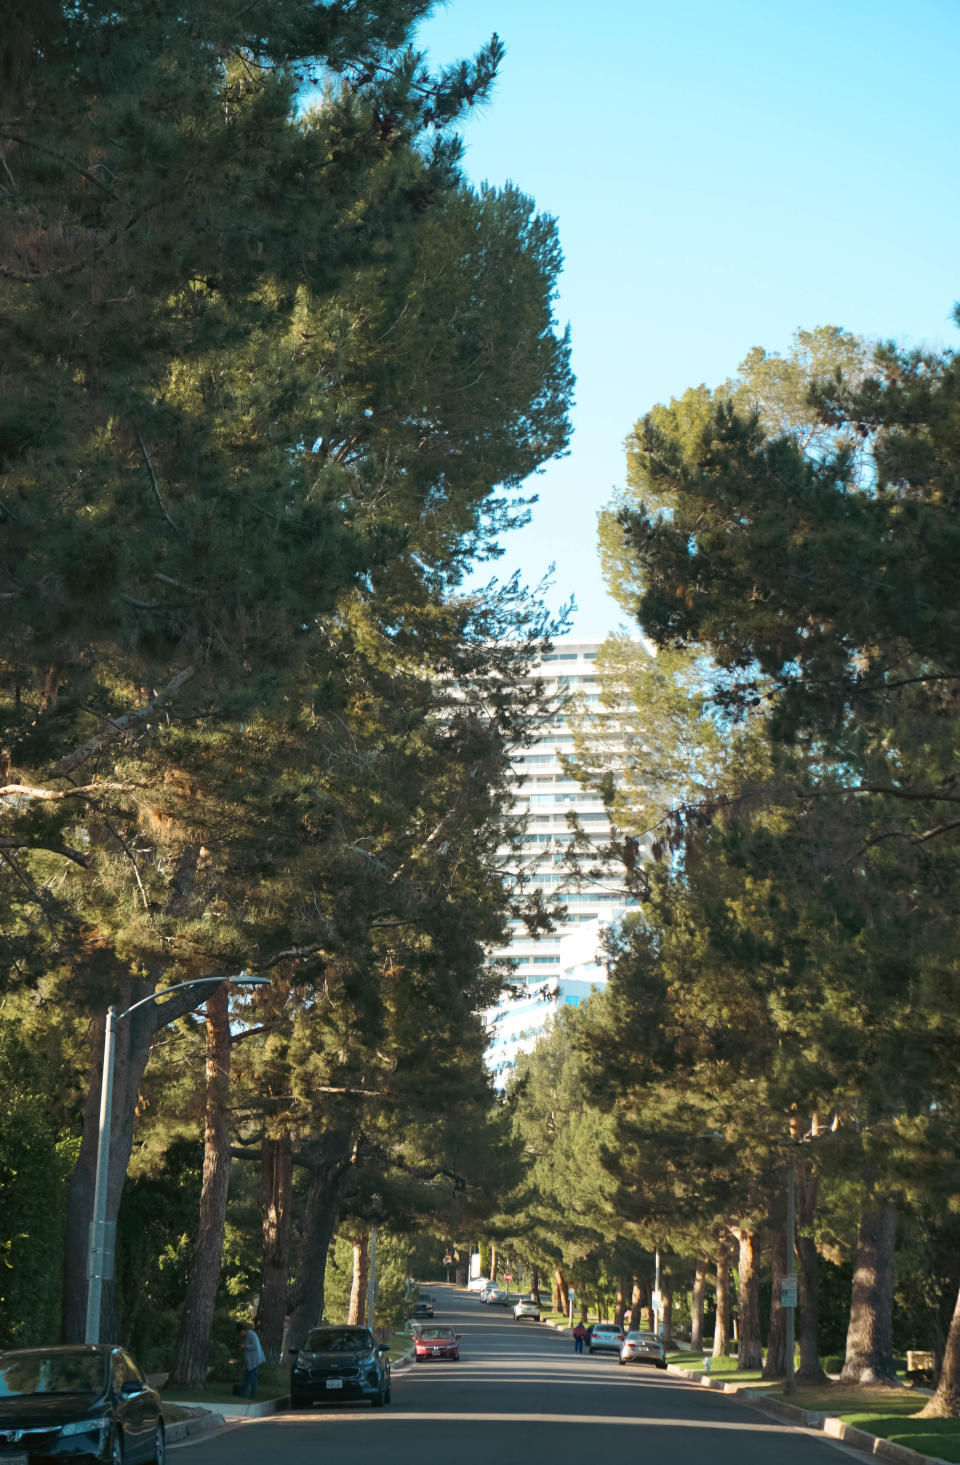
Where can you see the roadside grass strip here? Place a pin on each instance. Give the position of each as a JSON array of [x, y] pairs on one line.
[[937, 1437], [272, 1383]]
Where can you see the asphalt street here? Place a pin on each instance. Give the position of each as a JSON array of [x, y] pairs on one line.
[[519, 1396]]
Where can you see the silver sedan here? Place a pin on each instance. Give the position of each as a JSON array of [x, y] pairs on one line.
[[643, 1348]]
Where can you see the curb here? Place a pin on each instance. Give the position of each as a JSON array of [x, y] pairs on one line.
[[828, 1424], [237, 1411], [184, 1427]]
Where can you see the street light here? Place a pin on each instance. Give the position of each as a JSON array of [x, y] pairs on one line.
[[100, 1244]]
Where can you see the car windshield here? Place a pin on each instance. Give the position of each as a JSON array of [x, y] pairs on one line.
[[437, 1333], [642, 1337], [32, 1372], [339, 1340]]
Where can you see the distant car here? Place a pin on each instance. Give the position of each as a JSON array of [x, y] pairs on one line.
[[88, 1403], [477, 1284], [486, 1289], [437, 1343], [527, 1307], [423, 1307], [643, 1348], [605, 1338], [496, 1297], [335, 1364]]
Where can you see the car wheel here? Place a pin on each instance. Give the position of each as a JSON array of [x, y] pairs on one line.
[[456, 1358], [622, 1362], [388, 1396], [590, 1350], [159, 1446], [661, 1365], [379, 1399], [118, 1453]]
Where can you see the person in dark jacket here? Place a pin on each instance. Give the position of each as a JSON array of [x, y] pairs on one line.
[[579, 1333]]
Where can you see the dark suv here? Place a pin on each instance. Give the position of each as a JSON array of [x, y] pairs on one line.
[[337, 1364]]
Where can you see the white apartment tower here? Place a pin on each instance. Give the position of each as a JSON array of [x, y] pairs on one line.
[[553, 970]]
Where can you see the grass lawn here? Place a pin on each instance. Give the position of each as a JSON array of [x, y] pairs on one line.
[[719, 1367], [940, 1437], [559, 1318], [400, 1344], [273, 1383]]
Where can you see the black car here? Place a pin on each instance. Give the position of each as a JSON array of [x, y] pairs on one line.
[[340, 1363], [88, 1404], [423, 1307]]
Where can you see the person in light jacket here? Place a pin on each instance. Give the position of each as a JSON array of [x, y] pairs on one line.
[[253, 1355]]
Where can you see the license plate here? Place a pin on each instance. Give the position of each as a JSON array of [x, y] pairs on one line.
[[331, 1384]]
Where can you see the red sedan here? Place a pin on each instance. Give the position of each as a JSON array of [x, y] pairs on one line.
[[436, 1343]]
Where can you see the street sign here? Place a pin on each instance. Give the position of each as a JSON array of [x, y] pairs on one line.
[[788, 1291], [508, 1276]]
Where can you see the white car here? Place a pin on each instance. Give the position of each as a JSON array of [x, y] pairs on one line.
[[477, 1284], [527, 1307], [496, 1297]]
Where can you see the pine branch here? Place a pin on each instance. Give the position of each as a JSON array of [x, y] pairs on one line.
[[156, 490], [84, 791], [116, 726], [11, 841]]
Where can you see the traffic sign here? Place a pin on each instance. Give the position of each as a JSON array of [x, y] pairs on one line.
[[788, 1291], [508, 1276]]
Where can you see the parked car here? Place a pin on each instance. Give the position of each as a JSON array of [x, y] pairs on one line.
[[83, 1403], [496, 1297], [605, 1338], [527, 1307], [477, 1284], [423, 1307], [486, 1289], [640, 1347], [437, 1343], [335, 1364]]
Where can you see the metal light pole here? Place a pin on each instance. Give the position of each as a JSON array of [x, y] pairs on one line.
[[790, 1309], [371, 1276], [100, 1248]]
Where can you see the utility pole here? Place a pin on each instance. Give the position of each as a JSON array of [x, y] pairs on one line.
[[372, 1276], [790, 1307]]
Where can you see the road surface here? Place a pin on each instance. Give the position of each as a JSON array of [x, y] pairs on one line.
[[519, 1396]]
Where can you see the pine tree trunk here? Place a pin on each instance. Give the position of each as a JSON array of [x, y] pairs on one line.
[[189, 1368], [775, 1365], [666, 1320], [869, 1357], [623, 1292], [493, 1262], [276, 1194], [561, 1293], [945, 1402], [330, 1165], [696, 1310], [721, 1329], [535, 1282], [750, 1350], [361, 1272], [808, 1278]]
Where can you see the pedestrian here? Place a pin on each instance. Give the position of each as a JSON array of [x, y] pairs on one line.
[[579, 1333], [252, 1355]]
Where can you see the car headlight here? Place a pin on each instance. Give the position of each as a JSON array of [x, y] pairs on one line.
[[96, 1427]]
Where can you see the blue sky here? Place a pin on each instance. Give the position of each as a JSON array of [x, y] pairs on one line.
[[721, 172]]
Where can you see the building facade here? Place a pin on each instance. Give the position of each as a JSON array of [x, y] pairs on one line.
[[550, 971]]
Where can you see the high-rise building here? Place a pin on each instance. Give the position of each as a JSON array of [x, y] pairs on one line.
[[549, 971]]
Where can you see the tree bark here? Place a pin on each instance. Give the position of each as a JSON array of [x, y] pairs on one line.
[[493, 1261], [357, 1316], [721, 1330], [330, 1163], [189, 1368], [561, 1292], [945, 1402], [869, 1358], [808, 1277], [750, 1350], [623, 1292], [775, 1365], [276, 1197], [666, 1319], [696, 1310], [535, 1282]]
